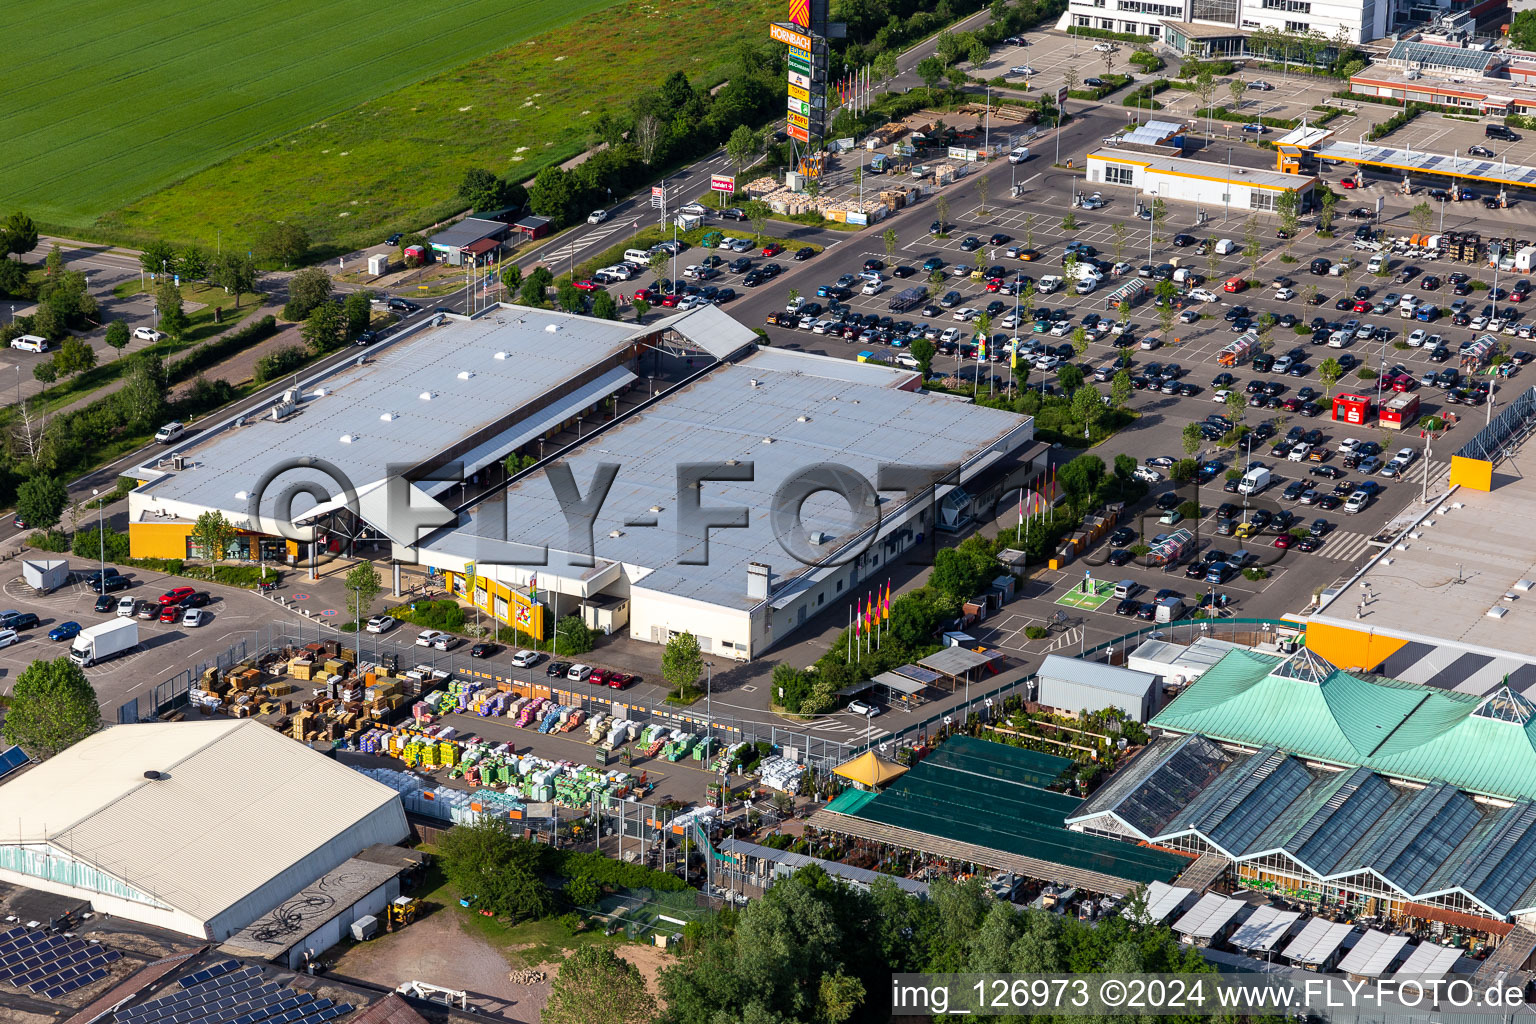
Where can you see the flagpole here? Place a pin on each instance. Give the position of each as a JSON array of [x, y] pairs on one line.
[[848, 648]]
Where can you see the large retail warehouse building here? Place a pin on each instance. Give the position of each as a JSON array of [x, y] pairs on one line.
[[648, 403]]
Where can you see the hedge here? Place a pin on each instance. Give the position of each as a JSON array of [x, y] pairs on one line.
[[1099, 33], [221, 348], [607, 871], [1142, 97], [1394, 122], [1223, 114]]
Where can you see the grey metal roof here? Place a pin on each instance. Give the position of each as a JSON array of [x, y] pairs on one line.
[[1163, 899], [785, 862], [300, 916], [1098, 675], [1244, 801], [1264, 928], [475, 372], [1372, 956], [956, 661], [804, 410], [1209, 916], [1450, 165], [1317, 941], [714, 331], [470, 229], [901, 684], [1430, 960]]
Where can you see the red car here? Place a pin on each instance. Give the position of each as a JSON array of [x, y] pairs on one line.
[[585, 285], [619, 680], [1361, 306], [1401, 383], [1349, 183], [647, 295], [170, 613], [772, 249], [1283, 542], [175, 596], [1234, 284], [669, 301], [598, 677]]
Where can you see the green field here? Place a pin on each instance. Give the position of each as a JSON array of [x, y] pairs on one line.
[[192, 122], [111, 101]]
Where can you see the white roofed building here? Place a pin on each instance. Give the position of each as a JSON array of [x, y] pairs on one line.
[[195, 827]]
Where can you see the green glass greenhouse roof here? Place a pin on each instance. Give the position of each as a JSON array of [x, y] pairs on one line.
[[1485, 745], [992, 795]]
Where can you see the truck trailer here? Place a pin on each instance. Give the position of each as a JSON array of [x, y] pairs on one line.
[[103, 641]]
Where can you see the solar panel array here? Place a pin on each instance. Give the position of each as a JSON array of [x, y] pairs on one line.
[[51, 965], [227, 993], [12, 759]]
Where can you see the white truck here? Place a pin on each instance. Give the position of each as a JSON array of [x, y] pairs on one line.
[[45, 576], [104, 640]]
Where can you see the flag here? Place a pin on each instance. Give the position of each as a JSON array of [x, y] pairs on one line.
[[1021, 506], [869, 610], [533, 588], [857, 619], [885, 607]]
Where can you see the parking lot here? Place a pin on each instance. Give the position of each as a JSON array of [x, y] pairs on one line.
[[164, 648]]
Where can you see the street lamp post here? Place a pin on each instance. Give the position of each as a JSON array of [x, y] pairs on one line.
[[101, 536], [1226, 191], [1151, 221]]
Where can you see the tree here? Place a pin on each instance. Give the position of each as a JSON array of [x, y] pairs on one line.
[[1329, 371], [1070, 377], [569, 297], [757, 213], [1325, 210], [1087, 407], [1190, 438], [235, 273], [596, 986], [742, 146], [212, 534], [552, 194], [1159, 218], [923, 351], [13, 279], [603, 306], [157, 257], [144, 390], [533, 291], [1289, 208], [941, 209], [1069, 222], [1069, 78], [40, 501], [192, 264], [1118, 230], [511, 279], [891, 240], [1253, 247], [1237, 89], [1080, 476], [1079, 341], [482, 190], [18, 235], [1205, 91], [357, 308], [1167, 292], [73, 357], [1423, 216], [883, 67], [45, 374], [1237, 405], [363, 586], [1120, 389], [641, 308], [494, 871], [281, 243], [307, 289], [982, 185], [324, 328], [53, 706], [173, 321], [573, 636], [647, 136], [118, 335], [682, 663], [931, 71], [978, 54]]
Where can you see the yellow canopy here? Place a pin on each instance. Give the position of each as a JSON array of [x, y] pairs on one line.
[[868, 769]]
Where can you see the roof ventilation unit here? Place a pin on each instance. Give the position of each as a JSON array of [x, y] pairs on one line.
[[552, 328], [818, 538], [321, 392], [754, 383], [387, 417], [348, 438], [499, 355], [427, 396], [802, 419], [466, 374], [153, 776], [292, 396], [767, 440], [615, 533], [178, 462]]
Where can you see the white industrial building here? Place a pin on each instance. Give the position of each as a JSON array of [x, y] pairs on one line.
[[195, 827], [1213, 28], [1073, 685], [649, 401], [1212, 185]]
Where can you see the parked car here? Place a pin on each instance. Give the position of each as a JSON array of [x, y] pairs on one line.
[[526, 659], [381, 623]]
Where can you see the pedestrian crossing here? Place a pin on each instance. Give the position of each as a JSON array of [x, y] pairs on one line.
[[584, 241], [1346, 545]]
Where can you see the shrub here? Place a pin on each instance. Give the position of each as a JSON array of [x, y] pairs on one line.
[[53, 540], [221, 348], [446, 614], [572, 636], [1255, 573], [1036, 632], [279, 363]]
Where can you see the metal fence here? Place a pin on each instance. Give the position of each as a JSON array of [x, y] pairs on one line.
[[820, 754]]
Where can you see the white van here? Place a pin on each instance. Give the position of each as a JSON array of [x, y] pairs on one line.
[[170, 432], [1019, 155], [1377, 264], [1225, 246], [30, 343], [1254, 481], [639, 256]]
